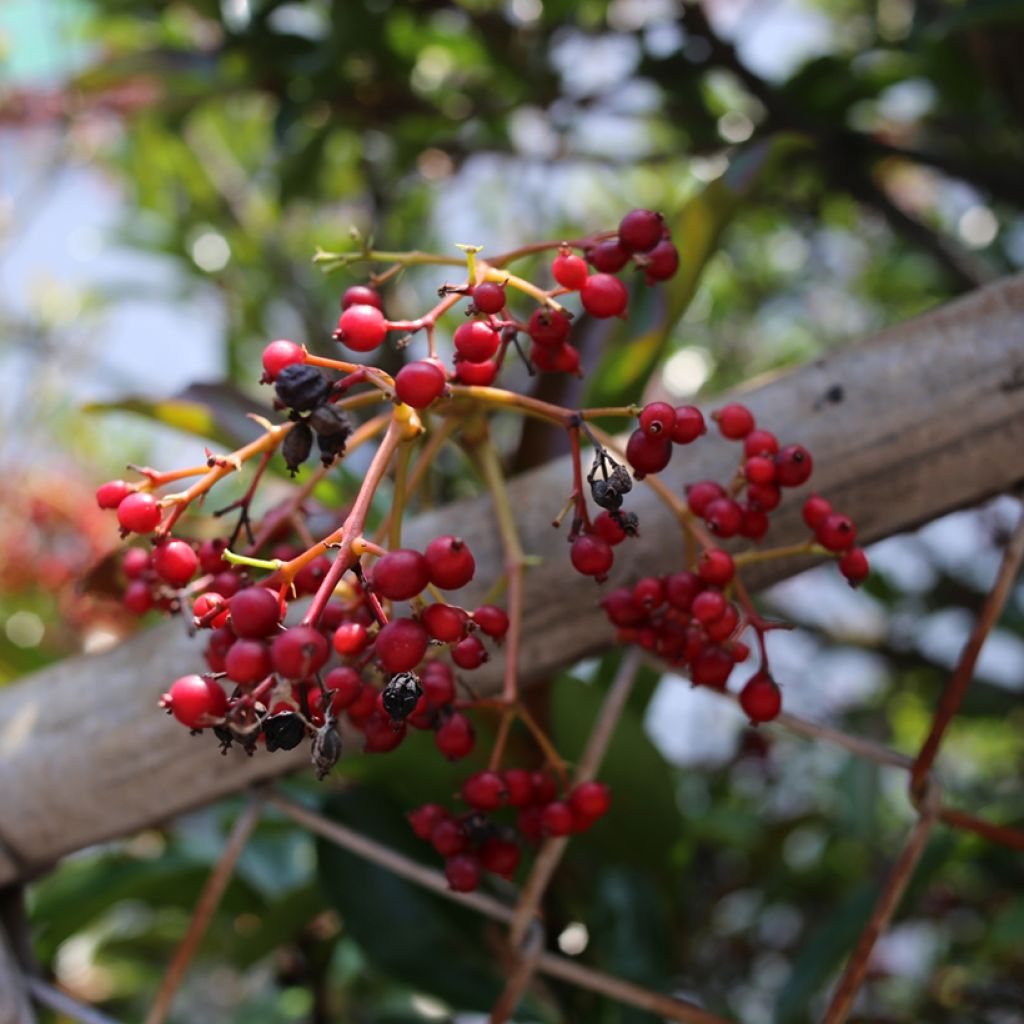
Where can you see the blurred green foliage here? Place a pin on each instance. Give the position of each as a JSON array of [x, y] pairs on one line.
[[811, 205]]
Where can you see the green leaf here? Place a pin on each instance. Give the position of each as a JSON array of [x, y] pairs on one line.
[[217, 412], [630, 359]]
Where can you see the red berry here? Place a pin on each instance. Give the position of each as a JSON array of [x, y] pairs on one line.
[[475, 341], [462, 872], [175, 562], [480, 375], [608, 256], [279, 354], [350, 638], [364, 705], [400, 575], [139, 512], [556, 818], [255, 612], [734, 421], [418, 384], [648, 454], [112, 493], [381, 733], [621, 609], [755, 522], [196, 701], [708, 605], [345, 685], [492, 620], [455, 737], [438, 684], [137, 597], [211, 556], [681, 588], [700, 495], [548, 327], [544, 789], [311, 575], [135, 562], [609, 529], [722, 628], [218, 646], [518, 787], [657, 418], [661, 263], [499, 856], [450, 563], [649, 592], [837, 533], [759, 469], [489, 297], [445, 622], [424, 819], [854, 566], [764, 496], [227, 583], [469, 653], [570, 271], [724, 517], [401, 644], [761, 698], [793, 466], [210, 609], [247, 662], [299, 652], [716, 567], [760, 442], [362, 328], [641, 230], [528, 821], [563, 359], [484, 791], [448, 837], [591, 799], [711, 667], [816, 510], [360, 295], [689, 424], [603, 296], [591, 556]]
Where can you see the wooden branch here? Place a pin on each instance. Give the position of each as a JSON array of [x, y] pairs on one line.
[[917, 421]]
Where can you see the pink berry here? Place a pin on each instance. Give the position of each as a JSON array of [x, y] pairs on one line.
[[112, 493], [196, 701], [570, 271], [255, 612]]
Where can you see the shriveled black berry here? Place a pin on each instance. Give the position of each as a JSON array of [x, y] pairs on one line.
[[331, 446], [326, 749], [283, 731], [297, 445], [329, 419], [628, 523], [302, 387], [400, 695], [605, 495], [479, 828]]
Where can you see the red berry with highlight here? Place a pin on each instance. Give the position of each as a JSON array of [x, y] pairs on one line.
[[299, 652], [700, 495], [469, 654], [489, 297], [112, 493], [448, 837], [591, 556], [837, 532], [484, 791], [816, 510], [657, 418], [760, 442], [604, 296], [761, 698], [480, 375], [195, 701], [492, 620], [518, 787], [400, 575], [361, 328], [570, 271], [360, 295], [854, 566], [641, 230], [716, 567], [139, 512], [647, 453], [591, 799], [445, 622], [475, 341], [279, 354], [556, 818], [247, 662], [350, 638], [401, 644], [424, 819], [548, 327], [420, 383], [735, 421], [608, 256], [661, 263], [450, 563], [793, 466], [255, 612], [689, 424], [500, 857], [175, 562]]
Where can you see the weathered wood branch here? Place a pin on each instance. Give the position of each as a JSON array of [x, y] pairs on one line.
[[914, 422]]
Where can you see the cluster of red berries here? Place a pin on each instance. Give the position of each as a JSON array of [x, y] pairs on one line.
[[475, 840], [380, 645]]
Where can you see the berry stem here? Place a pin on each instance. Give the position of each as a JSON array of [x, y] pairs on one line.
[[807, 547], [353, 526], [399, 495], [515, 559], [331, 261], [534, 247]]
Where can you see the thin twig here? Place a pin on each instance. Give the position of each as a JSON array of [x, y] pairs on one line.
[[885, 906], [962, 675], [550, 855], [625, 991], [60, 1002], [208, 901], [1002, 834], [390, 860]]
